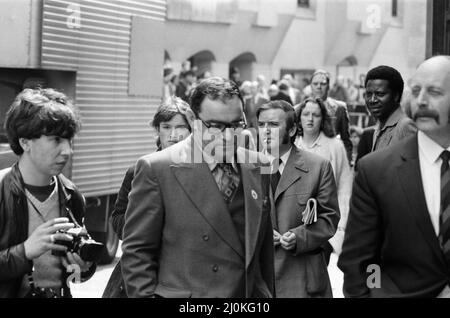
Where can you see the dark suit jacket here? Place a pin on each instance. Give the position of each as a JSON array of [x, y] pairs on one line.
[[389, 225], [118, 214], [179, 238], [365, 143], [341, 123], [303, 271]]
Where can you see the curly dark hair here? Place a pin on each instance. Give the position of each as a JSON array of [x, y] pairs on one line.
[[391, 75], [326, 125], [37, 112]]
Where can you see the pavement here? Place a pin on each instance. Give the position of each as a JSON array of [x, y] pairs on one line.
[[94, 287], [336, 277]]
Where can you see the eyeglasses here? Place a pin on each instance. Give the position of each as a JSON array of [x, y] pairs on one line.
[[222, 126]]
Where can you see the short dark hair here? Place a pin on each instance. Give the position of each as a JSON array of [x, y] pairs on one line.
[[283, 87], [390, 74], [291, 119], [37, 112], [168, 109], [214, 88], [326, 126]]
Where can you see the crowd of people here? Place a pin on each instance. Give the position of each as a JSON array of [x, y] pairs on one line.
[[251, 192]]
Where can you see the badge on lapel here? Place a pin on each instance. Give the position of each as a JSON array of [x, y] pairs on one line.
[[254, 194]]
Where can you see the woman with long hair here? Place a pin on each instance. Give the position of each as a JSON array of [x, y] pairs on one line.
[[316, 134]]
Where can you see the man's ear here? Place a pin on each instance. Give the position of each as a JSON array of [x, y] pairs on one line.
[[293, 131], [25, 144]]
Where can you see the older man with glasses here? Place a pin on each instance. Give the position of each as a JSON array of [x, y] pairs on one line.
[[198, 219]]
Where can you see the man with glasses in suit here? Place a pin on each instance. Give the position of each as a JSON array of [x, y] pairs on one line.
[[198, 219]]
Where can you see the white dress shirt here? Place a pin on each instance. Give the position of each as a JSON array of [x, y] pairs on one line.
[[430, 170], [284, 158]]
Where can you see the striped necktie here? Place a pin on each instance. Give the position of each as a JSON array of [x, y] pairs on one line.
[[444, 218], [227, 180]]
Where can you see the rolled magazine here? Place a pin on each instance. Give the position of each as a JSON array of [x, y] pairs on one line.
[[309, 215]]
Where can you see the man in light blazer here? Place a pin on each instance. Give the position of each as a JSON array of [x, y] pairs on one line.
[[300, 263], [198, 218], [396, 242]]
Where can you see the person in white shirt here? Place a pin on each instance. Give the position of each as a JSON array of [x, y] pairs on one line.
[[397, 241]]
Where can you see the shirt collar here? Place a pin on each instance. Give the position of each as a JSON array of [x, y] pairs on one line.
[[393, 119], [316, 143], [213, 164], [284, 158], [429, 148]]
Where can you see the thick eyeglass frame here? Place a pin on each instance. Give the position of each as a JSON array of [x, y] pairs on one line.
[[222, 126]]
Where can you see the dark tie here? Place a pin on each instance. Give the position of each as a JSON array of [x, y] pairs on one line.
[[227, 180], [275, 177], [444, 218]]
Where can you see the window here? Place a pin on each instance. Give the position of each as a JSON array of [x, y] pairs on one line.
[[303, 3], [394, 9]]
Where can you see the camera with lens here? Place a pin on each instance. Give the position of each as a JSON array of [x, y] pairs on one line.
[[82, 244]]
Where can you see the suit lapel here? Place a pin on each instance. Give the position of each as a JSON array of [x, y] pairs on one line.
[[273, 212], [293, 171], [208, 200], [411, 182], [251, 182]]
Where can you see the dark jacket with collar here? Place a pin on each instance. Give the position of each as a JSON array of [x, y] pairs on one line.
[[389, 232], [14, 227], [339, 116], [176, 212], [302, 272], [397, 127]]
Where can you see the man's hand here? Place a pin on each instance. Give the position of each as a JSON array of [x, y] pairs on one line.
[[75, 259], [288, 240], [44, 236], [276, 238]]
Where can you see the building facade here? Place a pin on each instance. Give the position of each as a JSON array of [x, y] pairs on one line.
[[273, 37]]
